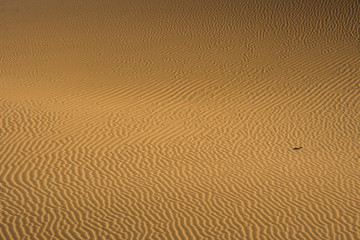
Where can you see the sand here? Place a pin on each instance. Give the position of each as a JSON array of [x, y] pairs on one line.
[[179, 119]]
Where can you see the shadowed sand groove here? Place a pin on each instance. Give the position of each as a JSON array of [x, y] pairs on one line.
[[179, 120]]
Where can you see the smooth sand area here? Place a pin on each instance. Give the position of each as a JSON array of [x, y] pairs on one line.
[[179, 119]]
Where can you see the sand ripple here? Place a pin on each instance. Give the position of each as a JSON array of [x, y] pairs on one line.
[[178, 120]]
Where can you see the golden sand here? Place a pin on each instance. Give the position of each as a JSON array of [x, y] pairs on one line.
[[179, 119]]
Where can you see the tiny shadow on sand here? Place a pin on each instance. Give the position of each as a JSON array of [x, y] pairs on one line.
[[297, 148]]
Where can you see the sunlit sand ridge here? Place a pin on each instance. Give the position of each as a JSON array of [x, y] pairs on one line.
[[179, 120]]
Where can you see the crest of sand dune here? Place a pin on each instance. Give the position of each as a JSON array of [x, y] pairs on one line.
[[179, 119]]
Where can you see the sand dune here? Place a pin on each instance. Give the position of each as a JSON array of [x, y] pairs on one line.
[[177, 120]]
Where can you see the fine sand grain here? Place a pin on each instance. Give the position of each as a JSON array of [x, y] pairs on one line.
[[179, 119]]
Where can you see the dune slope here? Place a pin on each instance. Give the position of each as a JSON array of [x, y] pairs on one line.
[[179, 120]]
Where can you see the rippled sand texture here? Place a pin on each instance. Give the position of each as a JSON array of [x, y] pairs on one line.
[[177, 119]]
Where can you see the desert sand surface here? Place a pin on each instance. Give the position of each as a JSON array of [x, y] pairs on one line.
[[179, 119]]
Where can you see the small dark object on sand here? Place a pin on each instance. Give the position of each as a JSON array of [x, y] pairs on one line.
[[297, 148]]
